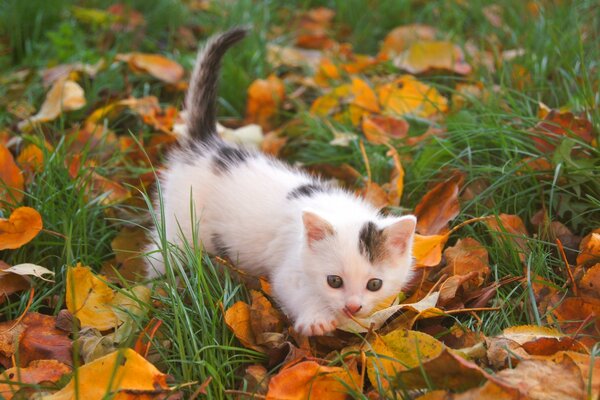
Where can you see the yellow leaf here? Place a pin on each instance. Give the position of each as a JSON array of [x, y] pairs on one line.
[[398, 351], [90, 299], [424, 56], [65, 95], [115, 373], [348, 102], [23, 225], [407, 95], [427, 250], [11, 178], [401, 37], [237, 318], [156, 65]]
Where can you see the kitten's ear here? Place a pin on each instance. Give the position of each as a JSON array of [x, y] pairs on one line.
[[316, 228], [400, 234]]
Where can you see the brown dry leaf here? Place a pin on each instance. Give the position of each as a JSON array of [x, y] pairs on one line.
[[35, 337], [10, 283], [532, 379], [272, 143], [65, 95], [558, 123], [590, 282], [264, 98], [112, 192], [124, 372], [427, 250], [439, 206], [589, 367], [65, 71], [465, 257], [37, 372], [156, 65], [379, 129], [20, 228], [397, 178], [541, 340], [425, 56], [589, 249], [314, 25], [407, 95], [263, 316], [579, 315], [510, 229], [12, 183], [308, 379], [376, 195], [128, 247], [403, 356], [400, 38], [90, 299]]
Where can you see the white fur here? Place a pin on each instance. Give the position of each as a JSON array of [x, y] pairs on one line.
[[248, 207]]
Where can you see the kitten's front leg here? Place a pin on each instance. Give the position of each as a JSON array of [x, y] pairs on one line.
[[315, 320]]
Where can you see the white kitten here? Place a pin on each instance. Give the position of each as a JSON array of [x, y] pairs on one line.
[[327, 253]]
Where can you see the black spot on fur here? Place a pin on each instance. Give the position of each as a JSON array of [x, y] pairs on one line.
[[219, 245], [227, 157], [371, 242], [306, 190]]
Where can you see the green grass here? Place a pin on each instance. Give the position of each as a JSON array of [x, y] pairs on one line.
[[486, 140]]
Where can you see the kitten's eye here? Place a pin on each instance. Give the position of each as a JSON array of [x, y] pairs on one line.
[[374, 284], [334, 281]]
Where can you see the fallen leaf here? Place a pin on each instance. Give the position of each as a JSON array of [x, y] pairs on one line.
[[579, 315], [589, 249], [557, 124], [90, 299], [510, 229], [378, 318], [407, 95], [31, 157], [65, 71], [64, 95], [124, 372], [425, 56], [30, 269], [427, 250], [400, 38], [264, 99], [467, 256], [379, 129], [541, 340], [292, 56], [11, 178], [237, 318], [590, 282], [156, 65], [439, 206], [308, 379], [348, 102], [20, 228], [35, 337], [128, 247], [10, 283], [37, 372]]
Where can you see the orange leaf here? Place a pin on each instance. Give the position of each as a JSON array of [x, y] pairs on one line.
[[264, 98], [589, 249], [439, 206], [11, 178], [397, 183], [558, 123], [156, 65], [237, 318], [37, 372], [510, 228], [348, 102], [378, 129], [23, 225], [430, 55], [427, 250], [308, 379], [407, 95]]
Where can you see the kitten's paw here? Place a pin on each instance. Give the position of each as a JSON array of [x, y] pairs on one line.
[[315, 327]]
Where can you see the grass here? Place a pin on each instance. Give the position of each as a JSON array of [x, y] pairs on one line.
[[487, 140]]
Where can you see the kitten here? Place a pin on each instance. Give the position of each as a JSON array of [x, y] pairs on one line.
[[327, 253]]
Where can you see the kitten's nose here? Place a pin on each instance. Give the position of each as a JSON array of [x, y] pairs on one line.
[[353, 308]]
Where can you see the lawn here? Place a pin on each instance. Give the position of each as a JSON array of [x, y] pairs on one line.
[[480, 118]]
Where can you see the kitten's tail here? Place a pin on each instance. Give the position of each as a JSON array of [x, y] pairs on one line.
[[201, 99]]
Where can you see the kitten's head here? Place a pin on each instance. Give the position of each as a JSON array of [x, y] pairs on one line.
[[357, 265]]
